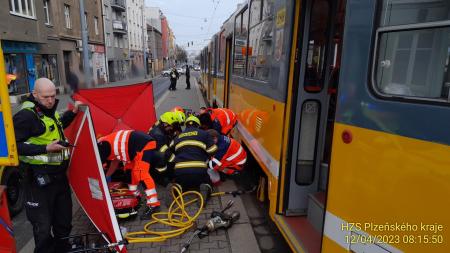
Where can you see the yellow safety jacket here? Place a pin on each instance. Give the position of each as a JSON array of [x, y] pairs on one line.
[[46, 138]]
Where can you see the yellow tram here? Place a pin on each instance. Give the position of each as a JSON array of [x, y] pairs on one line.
[[344, 106]]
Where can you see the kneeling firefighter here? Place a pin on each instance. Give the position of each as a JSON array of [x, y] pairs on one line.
[[191, 149], [137, 151]]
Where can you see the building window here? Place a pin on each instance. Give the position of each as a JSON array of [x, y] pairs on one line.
[[116, 41], [106, 11], [67, 16], [108, 40], [96, 25], [47, 12], [23, 8]]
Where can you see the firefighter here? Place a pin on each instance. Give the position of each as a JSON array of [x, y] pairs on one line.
[[229, 158], [222, 120], [192, 148], [163, 131], [138, 152], [38, 129]]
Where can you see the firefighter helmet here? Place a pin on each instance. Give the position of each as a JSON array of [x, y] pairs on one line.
[[193, 119], [168, 118], [180, 116]]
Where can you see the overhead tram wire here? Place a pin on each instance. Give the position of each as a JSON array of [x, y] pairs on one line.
[[212, 16]]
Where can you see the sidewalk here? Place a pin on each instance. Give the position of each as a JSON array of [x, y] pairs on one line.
[[238, 239]]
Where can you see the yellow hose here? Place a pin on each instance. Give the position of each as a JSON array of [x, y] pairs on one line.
[[176, 217]]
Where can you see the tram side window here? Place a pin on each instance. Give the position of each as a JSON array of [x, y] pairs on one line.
[[317, 45], [413, 62], [260, 40], [222, 47], [240, 43]]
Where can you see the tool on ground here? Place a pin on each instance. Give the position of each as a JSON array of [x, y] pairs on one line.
[[92, 242], [178, 220], [218, 220], [125, 202]]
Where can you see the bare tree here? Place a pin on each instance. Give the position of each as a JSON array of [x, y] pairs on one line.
[[181, 54]]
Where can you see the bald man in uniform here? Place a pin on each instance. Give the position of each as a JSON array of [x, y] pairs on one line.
[[39, 128]]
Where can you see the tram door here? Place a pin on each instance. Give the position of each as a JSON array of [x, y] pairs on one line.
[[209, 76], [317, 74]]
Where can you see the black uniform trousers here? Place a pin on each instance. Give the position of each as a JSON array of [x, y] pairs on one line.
[[173, 84], [49, 210], [188, 82], [191, 181]]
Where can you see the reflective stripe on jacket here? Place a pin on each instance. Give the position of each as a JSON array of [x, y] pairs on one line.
[[233, 160], [226, 117], [119, 145]]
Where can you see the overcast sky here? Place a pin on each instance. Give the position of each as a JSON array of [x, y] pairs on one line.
[[187, 18]]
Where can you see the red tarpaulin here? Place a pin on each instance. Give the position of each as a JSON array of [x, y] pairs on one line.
[[7, 243], [113, 108], [122, 107], [87, 178]]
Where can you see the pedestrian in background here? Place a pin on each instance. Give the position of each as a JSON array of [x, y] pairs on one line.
[[188, 77], [39, 130], [174, 75]]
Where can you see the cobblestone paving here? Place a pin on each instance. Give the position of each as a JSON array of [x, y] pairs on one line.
[[216, 242]]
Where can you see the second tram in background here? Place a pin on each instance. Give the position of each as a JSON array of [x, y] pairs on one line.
[[345, 107]]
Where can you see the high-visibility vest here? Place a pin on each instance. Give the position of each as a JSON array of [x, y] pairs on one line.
[[54, 158], [226, 117], [233, 160], [119, 145]]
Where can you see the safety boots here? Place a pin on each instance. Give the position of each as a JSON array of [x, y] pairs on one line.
[[147, 214]]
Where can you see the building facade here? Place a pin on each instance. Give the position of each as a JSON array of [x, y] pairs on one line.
[[67, 21], [155, 57], [43, 39], [165, 41], [116, 39], [136, 35], [30, 45]]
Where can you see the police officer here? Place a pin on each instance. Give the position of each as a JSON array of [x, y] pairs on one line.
[[192, 148], [174, 75], [39, 130], [188, 78]]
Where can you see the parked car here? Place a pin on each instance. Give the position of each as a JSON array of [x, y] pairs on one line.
[[181, 71], [166, 73]]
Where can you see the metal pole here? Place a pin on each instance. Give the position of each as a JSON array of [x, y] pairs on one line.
[[84, 38], [144, 28], [105, 38], [155, 54]]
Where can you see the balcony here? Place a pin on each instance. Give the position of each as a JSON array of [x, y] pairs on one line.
[[118, 5], [119, 26]]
